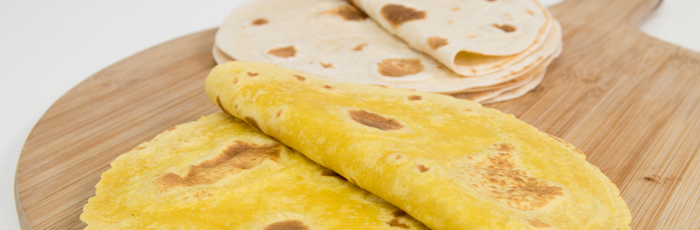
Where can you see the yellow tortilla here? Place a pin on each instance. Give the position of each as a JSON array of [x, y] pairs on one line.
[[220, 173], [450, 163]]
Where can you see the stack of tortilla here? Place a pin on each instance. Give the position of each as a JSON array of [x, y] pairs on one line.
[[484, 51]]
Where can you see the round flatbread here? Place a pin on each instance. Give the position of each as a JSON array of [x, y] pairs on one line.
[[220, 173]]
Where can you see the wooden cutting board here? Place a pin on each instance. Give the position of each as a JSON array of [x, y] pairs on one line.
[[629, 101]]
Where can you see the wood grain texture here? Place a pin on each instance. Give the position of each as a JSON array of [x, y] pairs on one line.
[[630, 102]]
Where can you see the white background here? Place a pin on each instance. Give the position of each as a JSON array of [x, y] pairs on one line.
[[48, 47]]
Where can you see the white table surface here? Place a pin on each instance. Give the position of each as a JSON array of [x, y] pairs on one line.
[[48, 47]]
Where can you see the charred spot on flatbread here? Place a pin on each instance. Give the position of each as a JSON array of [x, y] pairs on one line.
[[331, 173], [326, 65], [399, 213], [260, 21], [348, 13], [528, 11], [399, 67], [397, 15], [505, 27], [287, 225], [252, 74], [300, 78], [436, 42], [414, 98], [395, 223], [283, 52], [279, 112], [235, 158], [537, 223], [498, 177], [422, 168], [359, 47], [327, 87], [374, 120]]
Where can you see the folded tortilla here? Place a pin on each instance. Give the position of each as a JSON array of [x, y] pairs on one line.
[[471, 37], [220, 173], [334, 39], [450, 163]]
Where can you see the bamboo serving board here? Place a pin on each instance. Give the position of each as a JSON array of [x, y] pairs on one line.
[[630, 102]]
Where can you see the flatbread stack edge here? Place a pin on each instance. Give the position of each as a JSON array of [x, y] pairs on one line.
[[450, 163], [334, 40], [220, 173]]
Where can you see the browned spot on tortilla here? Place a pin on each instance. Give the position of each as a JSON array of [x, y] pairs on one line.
[[471, 35], [537, 223], [399, 213], [374, 120], [528, 11], [260, 21], [287, 225], [283, 52], [397, 15], [467, 110], [395, 223], [139, 148], [455, 8], [300, 78], [399, 67], [252, 74], [326, 65], [252, 122], [237, 157], [221, 106], [382, 86], [503, 147], [498, 177], [327, 87], [398, 156], [279, 112], [505, 27], [422, 168], [348, 13], [235, 80], [436, 42], [331, 173], [359, 47], [414, 98]]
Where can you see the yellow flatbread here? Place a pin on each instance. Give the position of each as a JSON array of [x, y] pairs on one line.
[[450, 163], [220, 173]]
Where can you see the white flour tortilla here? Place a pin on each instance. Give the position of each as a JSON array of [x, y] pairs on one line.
[[327, 38]]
